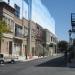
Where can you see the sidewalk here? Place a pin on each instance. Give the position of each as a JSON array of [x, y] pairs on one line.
[[23, 59], [72, 64]]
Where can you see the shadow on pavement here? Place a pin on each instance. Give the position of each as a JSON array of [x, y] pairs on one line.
[[57, 62]]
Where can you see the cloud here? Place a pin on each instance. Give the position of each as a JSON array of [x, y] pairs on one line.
[[41, 15]]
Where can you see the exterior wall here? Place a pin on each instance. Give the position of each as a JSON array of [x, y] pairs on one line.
[[25, 39], [5, 46], [7, 14], [33, 26], [50, 41], [39, 33], [23, 12], [8, 17], [20, 43], [39, 40], [10, 22], [21, 40]]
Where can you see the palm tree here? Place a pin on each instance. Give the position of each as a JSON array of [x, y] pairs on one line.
[[3, 29]]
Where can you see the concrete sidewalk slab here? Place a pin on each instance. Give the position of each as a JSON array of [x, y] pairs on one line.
[[23, 59]]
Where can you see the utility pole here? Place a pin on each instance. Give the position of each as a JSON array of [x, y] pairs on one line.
[[29, 27], [29, 2]]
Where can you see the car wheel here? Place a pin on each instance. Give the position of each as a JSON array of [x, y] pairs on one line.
[[1, 62], [12, 61]]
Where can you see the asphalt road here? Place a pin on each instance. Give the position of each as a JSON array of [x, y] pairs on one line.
[[45, 66]]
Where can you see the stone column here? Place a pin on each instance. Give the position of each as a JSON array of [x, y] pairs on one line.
[[13, 51], [23, 50]]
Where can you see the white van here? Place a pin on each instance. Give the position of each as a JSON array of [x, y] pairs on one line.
[[4, 59]]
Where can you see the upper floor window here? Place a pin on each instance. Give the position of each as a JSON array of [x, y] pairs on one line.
[[18, 30], [51, 39], [10, 23], [25, 31], [17, 11]]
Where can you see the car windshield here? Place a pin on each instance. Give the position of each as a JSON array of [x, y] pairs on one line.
[[1, 55]]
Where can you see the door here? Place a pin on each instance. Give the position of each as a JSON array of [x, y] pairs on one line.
[[26, 51], [10, 47]]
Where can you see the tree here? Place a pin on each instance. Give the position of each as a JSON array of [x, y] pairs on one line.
[[3, 29], [62, 46]]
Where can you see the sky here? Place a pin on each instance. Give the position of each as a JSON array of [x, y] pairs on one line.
[[61, 11], [41, 15]]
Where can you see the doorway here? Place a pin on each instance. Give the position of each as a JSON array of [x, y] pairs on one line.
[[10, 47]]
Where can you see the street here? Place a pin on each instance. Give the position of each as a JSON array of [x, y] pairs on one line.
[[43, 66]]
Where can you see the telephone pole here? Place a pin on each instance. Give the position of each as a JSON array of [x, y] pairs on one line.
[[29, 27]]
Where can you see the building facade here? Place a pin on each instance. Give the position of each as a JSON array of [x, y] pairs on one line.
[[6, 13], [16, 42], [50, 42]]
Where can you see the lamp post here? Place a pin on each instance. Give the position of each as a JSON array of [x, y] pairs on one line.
[[70, 31]]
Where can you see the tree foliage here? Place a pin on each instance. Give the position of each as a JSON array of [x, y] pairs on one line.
[[3, 29], [62, 46]]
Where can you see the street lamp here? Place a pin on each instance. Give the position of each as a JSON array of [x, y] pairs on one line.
[[70, 32]]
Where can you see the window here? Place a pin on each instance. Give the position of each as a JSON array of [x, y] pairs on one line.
[[33, 33], [10, 23], [18, 31], [1, 55], [51, 39], [17, 11], [25, 31]]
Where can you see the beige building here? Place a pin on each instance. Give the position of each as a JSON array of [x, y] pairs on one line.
[[16, 42], [13, 43], [50, 42], [7, 14]]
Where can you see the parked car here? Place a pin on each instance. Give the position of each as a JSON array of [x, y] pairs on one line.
[[4, 59]]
